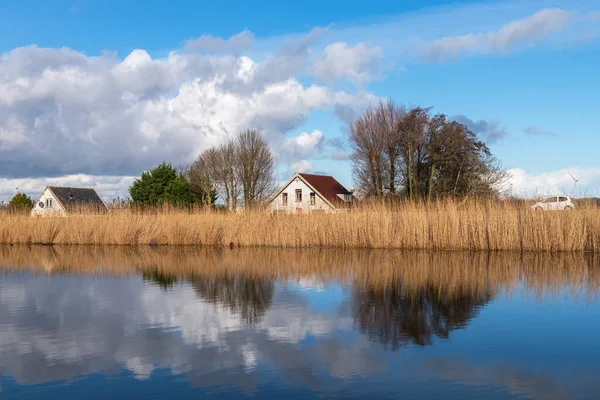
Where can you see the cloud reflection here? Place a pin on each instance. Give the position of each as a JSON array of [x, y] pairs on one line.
[[234, 319]]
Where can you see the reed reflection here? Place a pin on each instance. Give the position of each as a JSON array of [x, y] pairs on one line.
[[397, 296], [445, 274]]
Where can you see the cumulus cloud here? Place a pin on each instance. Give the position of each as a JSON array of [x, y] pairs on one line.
[[291, 58], [488, 131], [535, 131], [359, 64], [235, 44], [524, 32], [304, 145], [64, 113], [529, 184]]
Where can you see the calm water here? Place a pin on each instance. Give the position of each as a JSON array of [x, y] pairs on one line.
[[189, 323]]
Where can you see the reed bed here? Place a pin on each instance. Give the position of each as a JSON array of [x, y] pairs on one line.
[[450, 274], [443, 225]]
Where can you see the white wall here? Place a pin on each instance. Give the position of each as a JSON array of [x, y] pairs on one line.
[[55, 209], [292, 206]]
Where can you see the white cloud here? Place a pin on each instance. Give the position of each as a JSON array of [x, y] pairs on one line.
[[304, 145], [359, 64], [64, 113], [556, 182], [527, 31], [211, 44]]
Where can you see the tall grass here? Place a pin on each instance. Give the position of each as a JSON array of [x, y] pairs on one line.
[[443, 225], [452, 274]]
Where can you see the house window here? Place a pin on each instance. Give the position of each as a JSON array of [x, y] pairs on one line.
[[298, 195], [284, 199], [313, 199], [49, 203]]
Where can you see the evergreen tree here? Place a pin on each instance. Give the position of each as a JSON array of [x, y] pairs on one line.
[[21, 202], [164, 184]]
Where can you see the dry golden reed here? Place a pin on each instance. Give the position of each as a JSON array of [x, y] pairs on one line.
[[450, 273], [444, 225]]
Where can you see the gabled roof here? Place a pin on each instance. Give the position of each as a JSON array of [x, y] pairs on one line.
[[325, 186], [73, 198]]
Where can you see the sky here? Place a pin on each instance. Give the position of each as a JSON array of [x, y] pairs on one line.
[[92, 93]]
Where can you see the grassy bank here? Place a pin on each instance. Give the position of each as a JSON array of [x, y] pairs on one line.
[[444, 225]]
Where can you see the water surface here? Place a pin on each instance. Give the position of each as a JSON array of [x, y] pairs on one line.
[[186, 323]]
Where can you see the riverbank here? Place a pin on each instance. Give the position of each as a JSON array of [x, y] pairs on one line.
[[441, 226]]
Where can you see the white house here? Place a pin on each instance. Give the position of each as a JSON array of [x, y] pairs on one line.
[[65, 200], [306, 193]]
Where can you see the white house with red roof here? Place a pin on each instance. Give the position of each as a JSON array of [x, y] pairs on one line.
[[306, 193]]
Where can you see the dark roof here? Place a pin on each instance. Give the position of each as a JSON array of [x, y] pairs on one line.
[[73, 198], [327, 187]]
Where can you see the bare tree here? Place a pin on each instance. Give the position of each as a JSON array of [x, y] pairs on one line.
[[412, 139], [243, 165], [368, 145], [204, 174], [407, 152], [385, 140], [255, 167], [389, 117], [229, 173]]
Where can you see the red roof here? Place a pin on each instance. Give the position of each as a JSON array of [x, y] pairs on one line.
[[327, 187]]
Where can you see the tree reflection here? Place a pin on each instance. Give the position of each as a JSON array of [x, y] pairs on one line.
[[160, 279], [249, 296], [394, 316]]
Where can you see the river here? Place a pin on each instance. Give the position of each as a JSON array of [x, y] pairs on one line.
[[181, 322]]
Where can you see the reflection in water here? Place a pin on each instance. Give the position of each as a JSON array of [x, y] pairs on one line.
[[248, 296], [266, 321], [393, 315], [448, 273], [160, 279]]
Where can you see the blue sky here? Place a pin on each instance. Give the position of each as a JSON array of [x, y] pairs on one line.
[[94, 92]]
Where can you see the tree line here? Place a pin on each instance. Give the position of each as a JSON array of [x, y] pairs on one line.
[[407, 152], [240, 171], [397, 152]]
